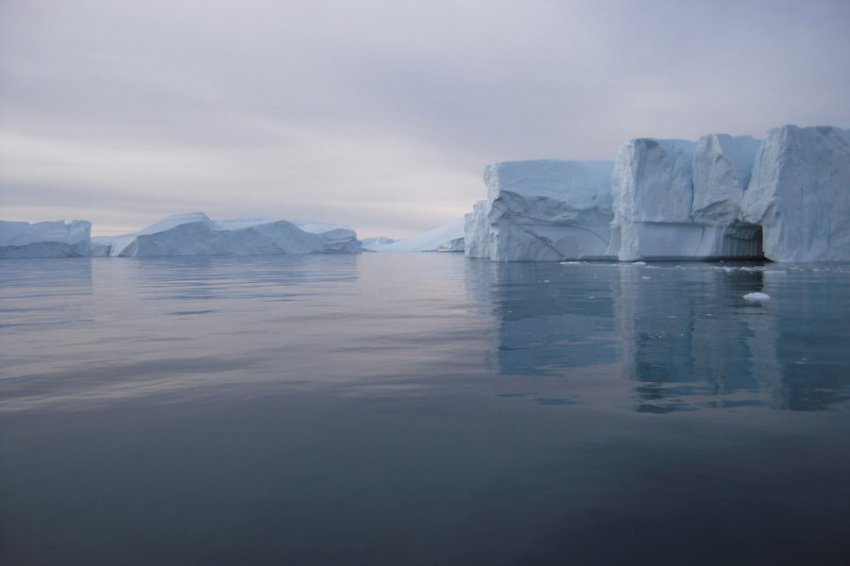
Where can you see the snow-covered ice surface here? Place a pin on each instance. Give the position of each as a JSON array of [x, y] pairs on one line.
[[548, 210], [45, 239], [800, 194], [196, 234], [445, 238]]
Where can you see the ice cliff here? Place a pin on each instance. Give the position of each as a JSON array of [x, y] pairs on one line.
[[542, 210], [676, 199], [196, 234], [45, 239], [800, 194]]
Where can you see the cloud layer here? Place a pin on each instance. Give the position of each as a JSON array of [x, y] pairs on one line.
[[377, 114]]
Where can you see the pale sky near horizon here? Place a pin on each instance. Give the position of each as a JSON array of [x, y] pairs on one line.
[[377, 114]]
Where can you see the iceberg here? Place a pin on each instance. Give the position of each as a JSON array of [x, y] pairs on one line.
[[800, 194], [445, 238], [544, 210], [196, 234], [677, 199], [786, 198], [336, 239], [375, 244], [45, 239]]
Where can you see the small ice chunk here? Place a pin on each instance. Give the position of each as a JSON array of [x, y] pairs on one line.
[[756, 297]]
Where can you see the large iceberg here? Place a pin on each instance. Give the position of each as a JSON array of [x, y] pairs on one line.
[[676, 199], [445, 238], [545, 210], [786, 198], [800, 194], [45, 239], [197, 234]]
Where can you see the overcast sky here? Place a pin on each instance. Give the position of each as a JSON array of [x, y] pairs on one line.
[[377, 114]]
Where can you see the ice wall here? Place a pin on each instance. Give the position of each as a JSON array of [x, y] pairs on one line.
[[676, 199], [800, 194], [45, 239], [477, 231], [545, 210]]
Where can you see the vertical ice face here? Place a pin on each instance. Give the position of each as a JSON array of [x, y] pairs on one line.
[[653, 195], [477, 231], [676, 199], [653, 181], [721, 172], [45, 239], [545, 210], [800, 194]]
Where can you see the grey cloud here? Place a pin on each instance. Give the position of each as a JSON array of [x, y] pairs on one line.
[[344, 111]]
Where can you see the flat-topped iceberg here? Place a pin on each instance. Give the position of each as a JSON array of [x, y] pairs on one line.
[[196, 234], [45, 239], [546, 210], [800, 194], [786, 198], [445, 238]]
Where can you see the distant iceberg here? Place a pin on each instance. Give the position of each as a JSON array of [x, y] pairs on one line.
[[446, 238], [196, 234], [375, 244], [45, 239]]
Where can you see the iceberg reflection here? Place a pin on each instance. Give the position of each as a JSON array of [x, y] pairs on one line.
[[683, 334]]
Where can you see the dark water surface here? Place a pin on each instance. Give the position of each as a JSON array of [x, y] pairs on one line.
[[422, 409]]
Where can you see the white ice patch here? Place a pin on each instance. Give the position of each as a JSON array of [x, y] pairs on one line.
[[445, 238]]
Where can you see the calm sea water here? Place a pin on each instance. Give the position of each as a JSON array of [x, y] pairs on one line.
[[422, 409]]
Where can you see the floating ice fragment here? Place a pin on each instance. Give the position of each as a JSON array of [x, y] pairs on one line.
[[756, 297]]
